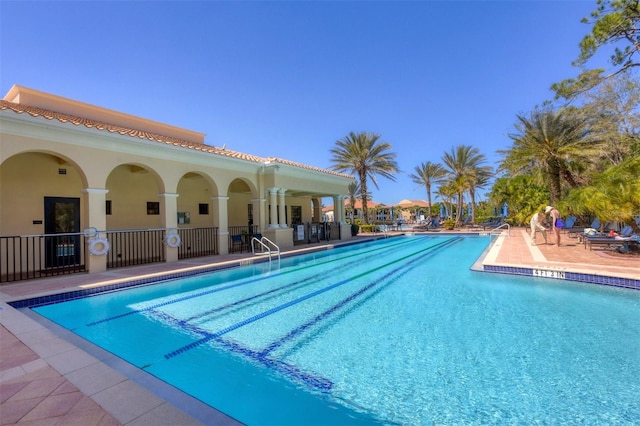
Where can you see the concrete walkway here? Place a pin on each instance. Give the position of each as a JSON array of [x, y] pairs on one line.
[[52, 378]]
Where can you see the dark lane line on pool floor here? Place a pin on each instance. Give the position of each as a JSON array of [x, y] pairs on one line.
[[271, 311], [228, 287]]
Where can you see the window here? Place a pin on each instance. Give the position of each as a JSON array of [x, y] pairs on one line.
[[184, 218], [153, 207], [203, 208], [296, 214], [107, 207]]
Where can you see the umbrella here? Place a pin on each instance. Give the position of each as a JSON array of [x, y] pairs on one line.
[[505, 210], [442, 210], [469, 209]]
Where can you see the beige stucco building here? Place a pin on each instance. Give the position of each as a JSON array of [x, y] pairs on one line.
[[71, 168]]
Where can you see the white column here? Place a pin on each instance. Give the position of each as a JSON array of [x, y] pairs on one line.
[[274, 205], [169, 205], [337, 199], [340, 217], [220, 208], [282, 208], [94, 216]]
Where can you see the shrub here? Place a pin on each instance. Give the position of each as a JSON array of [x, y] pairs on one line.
[[354, 229], [448, 224], [367, 228]]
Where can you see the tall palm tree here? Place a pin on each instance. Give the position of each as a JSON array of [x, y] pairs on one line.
[[480, 176], [427, 174], [463, 163], [550, 145], [364, 155]]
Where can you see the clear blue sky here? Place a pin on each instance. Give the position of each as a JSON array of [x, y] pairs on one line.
[[289, 78]]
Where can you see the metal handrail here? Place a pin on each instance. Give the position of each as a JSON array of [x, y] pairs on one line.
[[265, 247], [500, 227]]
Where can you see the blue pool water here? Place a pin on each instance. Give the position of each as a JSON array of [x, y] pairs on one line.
[[397, 331]]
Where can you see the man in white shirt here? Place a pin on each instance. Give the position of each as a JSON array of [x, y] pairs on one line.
[[536, 226]]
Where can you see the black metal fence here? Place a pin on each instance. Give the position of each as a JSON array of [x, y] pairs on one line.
[[135, 247], [36, 256], [198, 242], [314, 232], [240, 238]]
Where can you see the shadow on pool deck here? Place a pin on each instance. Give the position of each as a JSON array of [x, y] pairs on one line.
[[46, 380]]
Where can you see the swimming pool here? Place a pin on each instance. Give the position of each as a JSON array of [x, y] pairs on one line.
[[393, 331]]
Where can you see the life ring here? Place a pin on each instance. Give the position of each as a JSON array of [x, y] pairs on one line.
[[98, 246], [173, 240]]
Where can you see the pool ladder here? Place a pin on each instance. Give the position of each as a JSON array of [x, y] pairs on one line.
[[498, 230], [267, 247]]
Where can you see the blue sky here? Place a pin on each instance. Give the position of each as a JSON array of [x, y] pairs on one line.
[[289, 78]]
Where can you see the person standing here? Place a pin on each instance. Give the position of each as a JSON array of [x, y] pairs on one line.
[[556, 222], [536, 225]]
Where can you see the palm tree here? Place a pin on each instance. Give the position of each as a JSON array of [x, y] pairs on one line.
[[464, 164], [363, 154], [550, 145], [479, 179], [354, 192], [614, 195], [447, 192], [427, 174]]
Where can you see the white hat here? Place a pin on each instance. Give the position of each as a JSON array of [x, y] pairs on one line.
[[548, 209]]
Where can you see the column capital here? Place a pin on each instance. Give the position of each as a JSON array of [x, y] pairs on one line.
[[219, 197], [169, 195]]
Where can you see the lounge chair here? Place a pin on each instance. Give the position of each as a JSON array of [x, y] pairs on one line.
[[569, 222], [614, 242], [577, 231], [625, 237], [492, 223], [428, 225]]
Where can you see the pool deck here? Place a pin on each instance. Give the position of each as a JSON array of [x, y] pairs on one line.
[[48, 377]]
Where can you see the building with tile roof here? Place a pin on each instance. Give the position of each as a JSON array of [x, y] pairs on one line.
[[68, 167]]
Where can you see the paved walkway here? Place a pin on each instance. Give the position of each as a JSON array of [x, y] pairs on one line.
[[46, 380]]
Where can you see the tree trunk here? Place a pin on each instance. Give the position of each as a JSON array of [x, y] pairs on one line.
[[363, 187], [554, 183]]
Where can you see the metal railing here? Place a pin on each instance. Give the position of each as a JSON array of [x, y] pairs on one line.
[[198, 242], [314, 232], [36, 256], [266, 246], [131, 247], [504, 225], [240, 237]]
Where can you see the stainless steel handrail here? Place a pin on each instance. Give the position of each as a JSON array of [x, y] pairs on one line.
[[266, 247], [500, 227]]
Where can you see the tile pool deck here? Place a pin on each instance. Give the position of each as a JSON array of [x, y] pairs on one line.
[[49, 377]]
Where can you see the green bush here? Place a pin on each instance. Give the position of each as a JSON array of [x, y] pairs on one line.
[[354, 229], [367, 228], [448, 224]]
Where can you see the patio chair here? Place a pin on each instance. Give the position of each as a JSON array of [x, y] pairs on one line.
[[236, 243], [577, 231]]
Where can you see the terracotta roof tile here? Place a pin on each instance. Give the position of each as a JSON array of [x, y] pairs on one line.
[[112, 128]]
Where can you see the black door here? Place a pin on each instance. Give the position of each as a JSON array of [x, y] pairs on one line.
[[62, 216]]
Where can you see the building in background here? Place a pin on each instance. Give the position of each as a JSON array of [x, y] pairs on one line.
[[88, 188]]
